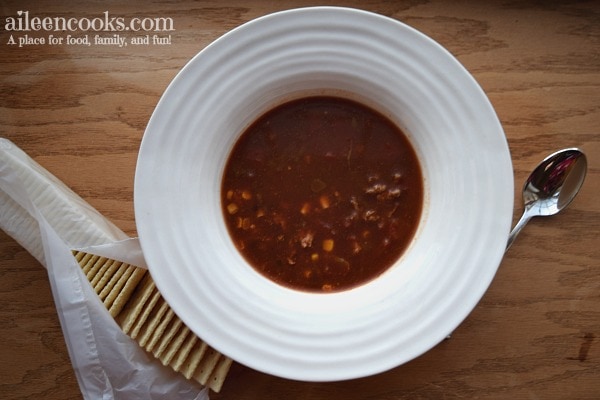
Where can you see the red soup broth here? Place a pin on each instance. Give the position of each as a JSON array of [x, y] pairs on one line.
[[322, 194]]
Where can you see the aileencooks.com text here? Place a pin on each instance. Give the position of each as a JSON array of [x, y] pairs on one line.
[[24, 22]]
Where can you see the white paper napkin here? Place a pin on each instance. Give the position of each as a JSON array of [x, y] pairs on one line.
[[49, 220]]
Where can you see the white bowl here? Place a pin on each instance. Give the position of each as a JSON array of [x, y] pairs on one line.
[[388, 321]]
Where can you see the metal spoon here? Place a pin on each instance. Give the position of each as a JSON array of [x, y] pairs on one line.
[[552, 185]]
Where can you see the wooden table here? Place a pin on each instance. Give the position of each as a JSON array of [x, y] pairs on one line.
[[81, 111]]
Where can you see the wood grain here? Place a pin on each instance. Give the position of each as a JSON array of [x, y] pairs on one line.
[[81, 113]]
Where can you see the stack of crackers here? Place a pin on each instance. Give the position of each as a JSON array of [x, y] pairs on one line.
[[131, 297]]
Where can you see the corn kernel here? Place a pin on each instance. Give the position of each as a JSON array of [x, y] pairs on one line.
[[246, 223], [246, 195], [328, 244], [305, 209], [314, 257], [324, 200], [232, 208]]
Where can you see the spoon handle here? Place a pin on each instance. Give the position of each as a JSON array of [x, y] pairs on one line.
[[518, 227]]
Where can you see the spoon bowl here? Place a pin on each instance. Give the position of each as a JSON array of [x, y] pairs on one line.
[[552, 186]]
